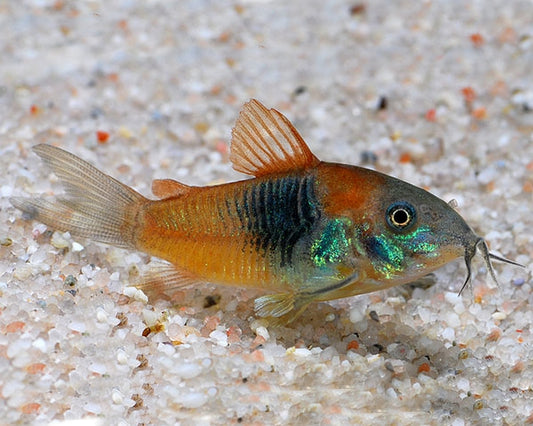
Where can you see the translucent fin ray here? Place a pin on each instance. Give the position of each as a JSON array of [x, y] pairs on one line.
[[96, 206], [265, 142], [282, 308], [164, 279]]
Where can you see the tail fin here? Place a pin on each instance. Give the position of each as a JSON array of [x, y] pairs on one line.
[[96, 206]]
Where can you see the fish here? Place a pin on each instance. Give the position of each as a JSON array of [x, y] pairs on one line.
[[299, 229]]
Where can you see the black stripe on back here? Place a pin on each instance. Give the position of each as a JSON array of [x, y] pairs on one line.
[[278, 212]]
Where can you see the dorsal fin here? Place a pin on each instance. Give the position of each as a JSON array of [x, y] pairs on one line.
[[166, 188], [264, 142]]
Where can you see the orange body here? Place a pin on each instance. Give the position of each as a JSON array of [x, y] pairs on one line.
[[303, 229], [202, 231]]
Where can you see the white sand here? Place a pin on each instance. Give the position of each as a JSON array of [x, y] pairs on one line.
[[166, 80]]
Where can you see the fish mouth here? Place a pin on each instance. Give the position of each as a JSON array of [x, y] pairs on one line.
[[470, 252]]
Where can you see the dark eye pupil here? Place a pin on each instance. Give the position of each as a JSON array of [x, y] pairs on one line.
[[400, 217]]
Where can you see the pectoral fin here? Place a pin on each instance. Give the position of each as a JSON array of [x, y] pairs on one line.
[[284, 308], [274, 305]]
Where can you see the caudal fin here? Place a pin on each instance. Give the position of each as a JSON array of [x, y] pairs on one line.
[[96, 206]]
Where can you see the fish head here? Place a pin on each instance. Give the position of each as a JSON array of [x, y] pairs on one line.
[[408, 232]]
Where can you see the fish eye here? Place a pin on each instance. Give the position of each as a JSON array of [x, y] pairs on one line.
[[400, 215]]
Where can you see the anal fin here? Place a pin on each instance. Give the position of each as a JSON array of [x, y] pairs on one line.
[[163, 280]]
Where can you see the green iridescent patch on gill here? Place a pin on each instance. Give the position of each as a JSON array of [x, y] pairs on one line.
[[418, 241], [389, 253], [332, 245], [390, 256]]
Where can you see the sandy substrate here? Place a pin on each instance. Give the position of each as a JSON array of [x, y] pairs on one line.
[[437, 93]]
